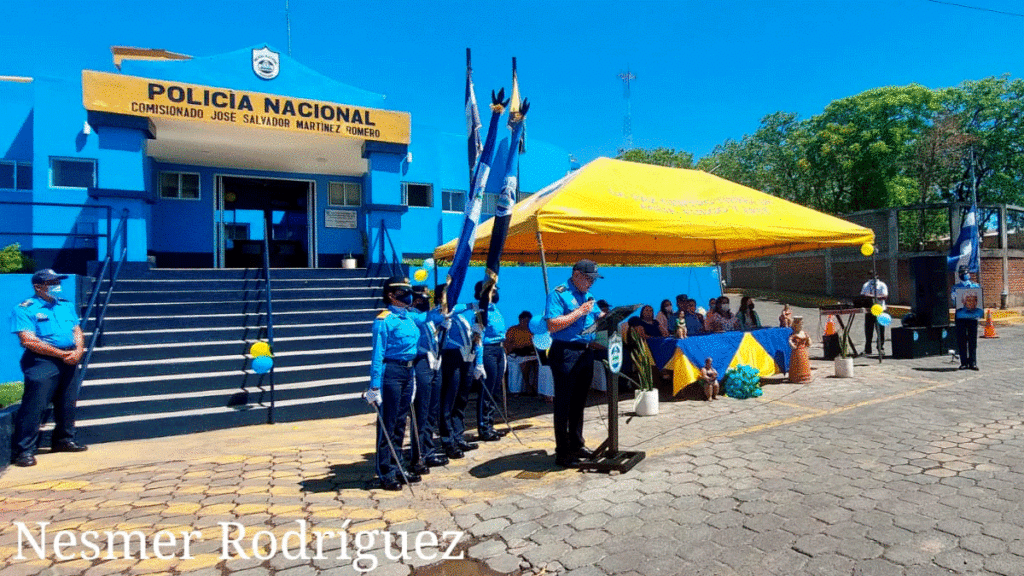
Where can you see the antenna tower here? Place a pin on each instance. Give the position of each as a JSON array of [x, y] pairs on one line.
[[288, 24], [627, 124]]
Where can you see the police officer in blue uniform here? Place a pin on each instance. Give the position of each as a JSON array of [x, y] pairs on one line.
[[395, 337], [494, 364], [48, 327], [461, 362], [427, 401], [569, 312], [965, 320]]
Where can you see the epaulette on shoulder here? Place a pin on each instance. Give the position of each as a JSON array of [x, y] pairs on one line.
[[560, 289], [63, 300], [26, 303], [383, 314]]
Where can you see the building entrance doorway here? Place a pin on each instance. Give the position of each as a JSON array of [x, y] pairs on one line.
[[249, 209]]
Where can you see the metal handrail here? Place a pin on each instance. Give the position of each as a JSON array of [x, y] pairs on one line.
[[394, 253], [108, 235], [270, 311], [122, 231]]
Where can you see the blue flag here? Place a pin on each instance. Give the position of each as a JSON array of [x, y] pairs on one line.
[[964, 253], [472, 120], [474, 204], [503, 211]]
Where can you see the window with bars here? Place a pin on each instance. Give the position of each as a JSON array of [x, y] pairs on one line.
[[453, 200], [345, 194], [15, 175], [72, 173], [179, 186], [421, 195]]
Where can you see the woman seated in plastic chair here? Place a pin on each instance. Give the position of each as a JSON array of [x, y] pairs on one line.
[[522, 357]]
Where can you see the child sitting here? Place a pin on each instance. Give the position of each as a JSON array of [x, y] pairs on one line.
[[709, 379]]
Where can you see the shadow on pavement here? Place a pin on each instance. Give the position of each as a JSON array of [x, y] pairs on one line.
[[925, 369], [358, 476], [537, 461]]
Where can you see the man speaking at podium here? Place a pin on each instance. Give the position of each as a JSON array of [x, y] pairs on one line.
[[570, 311]]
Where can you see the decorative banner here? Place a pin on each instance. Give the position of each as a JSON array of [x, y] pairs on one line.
[[134, 96]]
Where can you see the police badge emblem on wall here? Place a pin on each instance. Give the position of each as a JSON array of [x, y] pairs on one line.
[[266, 63]]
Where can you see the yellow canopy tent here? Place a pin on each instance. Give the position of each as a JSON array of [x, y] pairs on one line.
[[613, 211]]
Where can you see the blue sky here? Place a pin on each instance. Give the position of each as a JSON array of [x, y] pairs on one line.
[[706, 71]]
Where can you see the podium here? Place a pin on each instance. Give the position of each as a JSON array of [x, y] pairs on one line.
[[607, 457]]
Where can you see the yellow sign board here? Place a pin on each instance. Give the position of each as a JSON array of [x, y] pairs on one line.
[[134, 96]]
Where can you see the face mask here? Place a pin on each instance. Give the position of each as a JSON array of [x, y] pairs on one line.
[[53, 289], [965, 277], [725, 307], [403, 297], [750, 306], [494, 297], [422, 306]]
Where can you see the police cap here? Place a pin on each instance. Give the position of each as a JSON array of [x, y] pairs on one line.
[[588, 268], [47, 275]]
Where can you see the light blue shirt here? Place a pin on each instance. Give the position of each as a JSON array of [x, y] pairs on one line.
[[396, 334], [494, 332], [51, 322], [564, 299]]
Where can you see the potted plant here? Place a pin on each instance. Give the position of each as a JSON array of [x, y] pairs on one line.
[[646, 396], [844, 362]]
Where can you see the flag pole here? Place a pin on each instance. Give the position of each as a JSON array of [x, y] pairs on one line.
[[543, 262]]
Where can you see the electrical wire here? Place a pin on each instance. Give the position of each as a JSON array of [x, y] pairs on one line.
[[977, 8]]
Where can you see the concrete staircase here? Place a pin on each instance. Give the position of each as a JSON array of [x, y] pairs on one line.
[[174, 353]]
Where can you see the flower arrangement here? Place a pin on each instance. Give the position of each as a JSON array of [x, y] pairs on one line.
[[742, 382]]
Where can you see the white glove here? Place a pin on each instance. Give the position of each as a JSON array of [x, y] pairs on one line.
[[479, 373], [372, 396], [447, 322]]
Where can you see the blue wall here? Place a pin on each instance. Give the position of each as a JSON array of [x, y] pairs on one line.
[[522, 287], [14, 289], [45, 119]]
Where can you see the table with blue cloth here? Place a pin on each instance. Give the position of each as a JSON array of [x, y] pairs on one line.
[[766, 349]]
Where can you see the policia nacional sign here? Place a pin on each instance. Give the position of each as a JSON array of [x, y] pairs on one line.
[[134, 96]]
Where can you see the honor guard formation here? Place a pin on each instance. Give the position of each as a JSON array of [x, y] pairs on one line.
[[426, 362]]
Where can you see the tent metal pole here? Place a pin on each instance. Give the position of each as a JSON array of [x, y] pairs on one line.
[[543, 262]]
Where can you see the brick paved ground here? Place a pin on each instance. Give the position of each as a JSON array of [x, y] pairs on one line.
[[911, 467]]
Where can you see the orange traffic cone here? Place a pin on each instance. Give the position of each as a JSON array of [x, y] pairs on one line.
[[990, 327], [830, 327]]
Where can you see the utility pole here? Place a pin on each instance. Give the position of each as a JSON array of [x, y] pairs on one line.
[[627, 124], [288, 25]]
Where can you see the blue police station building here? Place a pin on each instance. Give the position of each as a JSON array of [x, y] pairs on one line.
[[212, 163], [204, 151]]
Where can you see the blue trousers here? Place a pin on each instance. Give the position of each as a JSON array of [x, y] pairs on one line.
[[396, 394], [486, 406], [427, 406], [455, 382], [47, 380], [967, 340], [572, 366]]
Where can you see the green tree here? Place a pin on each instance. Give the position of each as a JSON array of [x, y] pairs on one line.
[[992, 110], [659, 156], [11, 259]]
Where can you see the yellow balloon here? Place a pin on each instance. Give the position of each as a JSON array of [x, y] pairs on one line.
[[867, 249], [420, 275], [877, 309], [259, 349]]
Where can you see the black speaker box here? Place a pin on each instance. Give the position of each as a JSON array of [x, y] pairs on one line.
[[922, 341], [931, 293]]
